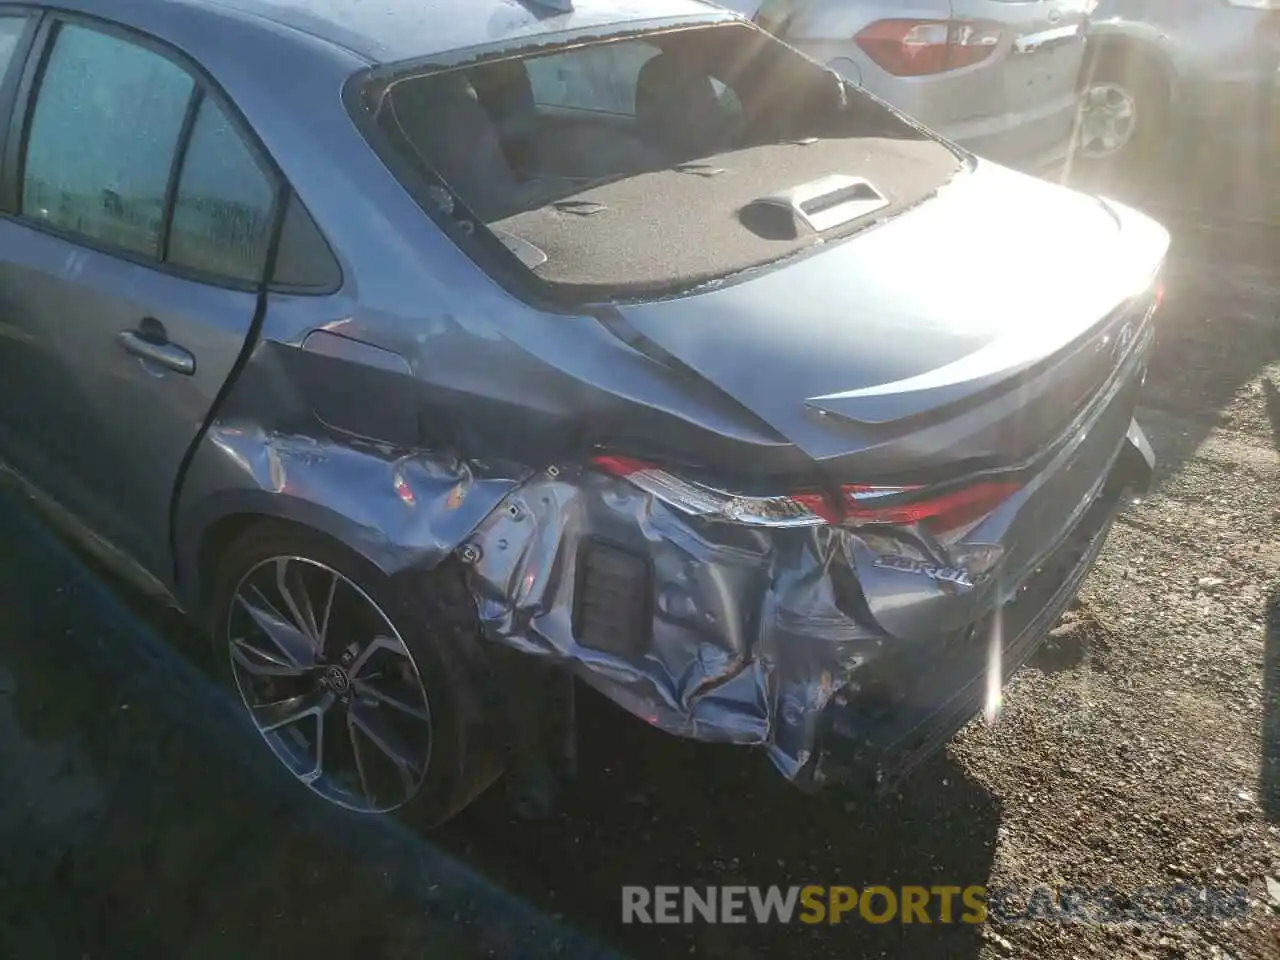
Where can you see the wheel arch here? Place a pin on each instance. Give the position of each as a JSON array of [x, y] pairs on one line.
[[452, 663], [1104, 44], [206, 539], [398, 510], [198, 567]]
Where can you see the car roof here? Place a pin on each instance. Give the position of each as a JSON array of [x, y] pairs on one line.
[[383, 31]]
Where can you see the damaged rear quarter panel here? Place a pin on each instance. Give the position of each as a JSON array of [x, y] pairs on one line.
[[472, 394], [448, 393], [748, 642]]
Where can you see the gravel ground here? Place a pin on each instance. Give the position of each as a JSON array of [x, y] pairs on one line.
[[1146, 748], [1141, 747]]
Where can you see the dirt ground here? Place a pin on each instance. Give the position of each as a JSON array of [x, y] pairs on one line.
[[1144, 748], [1140, 748]]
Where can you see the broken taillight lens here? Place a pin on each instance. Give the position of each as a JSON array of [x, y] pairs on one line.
[[702, 501], [917, 48], [859, 505]]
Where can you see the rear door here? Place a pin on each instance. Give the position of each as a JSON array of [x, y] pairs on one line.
[[136, 221], [1033, 77]]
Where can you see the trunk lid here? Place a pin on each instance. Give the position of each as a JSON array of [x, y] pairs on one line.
[[899, 349]]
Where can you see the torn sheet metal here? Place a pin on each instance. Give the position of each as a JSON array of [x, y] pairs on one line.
[[399, 507], [748, 643]]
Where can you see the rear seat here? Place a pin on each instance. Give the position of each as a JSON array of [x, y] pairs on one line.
[[443, 119], [578, 149]]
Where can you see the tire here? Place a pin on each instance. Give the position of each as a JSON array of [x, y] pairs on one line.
[[400, 717], [1120, 80]]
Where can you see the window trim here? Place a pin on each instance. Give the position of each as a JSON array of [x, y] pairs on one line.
[[17, 114], [279, 203], [177, 168], [11, 84]]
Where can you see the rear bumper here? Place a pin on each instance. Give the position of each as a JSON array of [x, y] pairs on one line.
[[906, 708], [730, 634]]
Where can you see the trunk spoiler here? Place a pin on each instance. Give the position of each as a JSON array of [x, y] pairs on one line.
[[1000, 364], [998, 367]]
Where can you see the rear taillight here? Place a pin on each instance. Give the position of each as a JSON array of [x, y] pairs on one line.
[[858, 505], [698, 500], [917, 48], [909, 505]]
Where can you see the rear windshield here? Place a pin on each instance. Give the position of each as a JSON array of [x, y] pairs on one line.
[[653, 163]]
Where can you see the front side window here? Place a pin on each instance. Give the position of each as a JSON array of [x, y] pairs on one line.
[[224, 210], [103, 134]]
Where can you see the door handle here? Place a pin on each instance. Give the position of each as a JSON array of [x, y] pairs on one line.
[[165, 354], [1046, 39]]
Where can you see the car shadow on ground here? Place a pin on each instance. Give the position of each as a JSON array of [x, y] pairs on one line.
[[1272, 395], [148, 820], [141, 817], [650, 810], [1269, 774]]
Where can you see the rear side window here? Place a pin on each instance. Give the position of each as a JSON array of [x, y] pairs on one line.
[[225, 206], [102, 139]]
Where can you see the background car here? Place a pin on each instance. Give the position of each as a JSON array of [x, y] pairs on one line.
[[1196, 80], [998, 77]]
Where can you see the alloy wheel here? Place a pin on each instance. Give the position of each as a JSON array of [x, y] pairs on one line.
[[1108, 119], [329, 683]]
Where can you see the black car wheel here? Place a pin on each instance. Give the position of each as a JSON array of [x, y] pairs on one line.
[[365, 689], [1123, 109]]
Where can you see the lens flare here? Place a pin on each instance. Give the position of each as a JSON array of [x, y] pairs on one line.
[[995, 669]]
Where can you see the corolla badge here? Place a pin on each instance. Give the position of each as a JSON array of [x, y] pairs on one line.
[[957, 575]]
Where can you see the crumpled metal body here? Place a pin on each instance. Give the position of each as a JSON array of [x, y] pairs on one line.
[[748, 643], [399, 508], [749, 633]]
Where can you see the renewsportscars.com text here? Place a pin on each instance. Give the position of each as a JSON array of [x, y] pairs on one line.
[[817, 904]]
